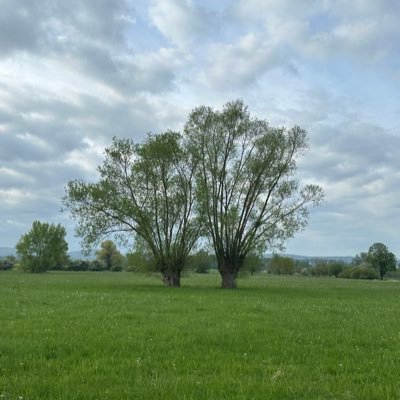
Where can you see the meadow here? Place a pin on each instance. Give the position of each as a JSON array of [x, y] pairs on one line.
[[124, 336]]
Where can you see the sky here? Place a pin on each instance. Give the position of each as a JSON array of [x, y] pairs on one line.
[[74, 74]]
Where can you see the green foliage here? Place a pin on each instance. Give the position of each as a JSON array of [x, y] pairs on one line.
[[361, 258], [320, 269], [281, 265], [77, 265], [301, 264], [141, 259], [253, 264], [7, 263], [138, 262], [96, 266], [145, 190], [336, 268], [380, 258], [201, 262], [361, 271], [327, 268], [123, 336], [246, 194], [43, 247], [305, 272], [109, 255]]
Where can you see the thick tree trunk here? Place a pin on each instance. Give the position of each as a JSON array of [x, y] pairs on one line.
[[228, 279], [228, 270], [172, 278]]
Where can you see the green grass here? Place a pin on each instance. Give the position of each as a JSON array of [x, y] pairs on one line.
[[124, 336]]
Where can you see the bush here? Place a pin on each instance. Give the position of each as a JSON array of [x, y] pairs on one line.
[[77, 265], [96, 265], [201, 262], [254, 263], [359, 272], [336, 268], [305, 272], [7, 264]]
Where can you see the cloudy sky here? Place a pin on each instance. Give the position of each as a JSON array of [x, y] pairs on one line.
[[75, 73]]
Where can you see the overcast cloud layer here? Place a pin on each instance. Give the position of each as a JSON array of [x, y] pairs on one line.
[[74, 74]]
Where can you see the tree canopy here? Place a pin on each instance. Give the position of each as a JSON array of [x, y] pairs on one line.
[[146, 190], [109, 255], [43, 247], [247, 196], [380, 258]]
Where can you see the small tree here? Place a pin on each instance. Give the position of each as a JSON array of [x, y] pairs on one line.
[[110, 256], [281, 265], [43, 247], [336, 268], [380, 258], [254, 263], [201, 262]]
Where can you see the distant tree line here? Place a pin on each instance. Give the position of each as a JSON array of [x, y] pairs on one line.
[[44, 248]]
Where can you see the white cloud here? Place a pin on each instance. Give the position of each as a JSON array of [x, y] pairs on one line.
[[182, 22], [73, 75], [242, 63]]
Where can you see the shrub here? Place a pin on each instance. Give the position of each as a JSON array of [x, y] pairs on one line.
[[254, 263], [359, 272], [96, 265], [77, 265], [335, 268], [305, 272], [201, 262], [6, 264]]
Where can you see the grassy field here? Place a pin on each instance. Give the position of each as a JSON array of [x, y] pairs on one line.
[[124, 336]]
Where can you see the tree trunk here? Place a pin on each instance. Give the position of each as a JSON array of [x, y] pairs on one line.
[[172, 278], [228, 279], [228, 269]]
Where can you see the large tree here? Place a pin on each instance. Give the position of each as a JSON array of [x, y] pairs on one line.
[[380, 258], [43, 247], [246, 192], [145, 190]]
